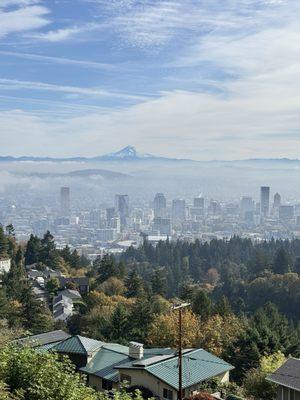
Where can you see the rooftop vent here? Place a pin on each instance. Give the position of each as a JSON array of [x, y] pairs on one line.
[[136, 350]]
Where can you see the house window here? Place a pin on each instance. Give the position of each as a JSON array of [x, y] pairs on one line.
[[106, 384], [168, 394], [125, 379]]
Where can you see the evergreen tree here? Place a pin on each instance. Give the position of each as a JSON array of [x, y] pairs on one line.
[[33, 250], [223, 307], [297, 265], [16, 280], [3, 244], [282, 262], [119, 324], [134, 284], [159, 281], [201, 304], [37, 318], [3, 304], [48, 254], [106, 267]]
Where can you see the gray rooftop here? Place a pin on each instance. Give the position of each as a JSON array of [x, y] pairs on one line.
[[287, 375], [44, 338]]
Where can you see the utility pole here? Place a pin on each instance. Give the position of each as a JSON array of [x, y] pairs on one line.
[[179, 307]]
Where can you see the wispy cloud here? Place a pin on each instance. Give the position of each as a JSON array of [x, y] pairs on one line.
[[14, 84], [60, 60], [67, 33]]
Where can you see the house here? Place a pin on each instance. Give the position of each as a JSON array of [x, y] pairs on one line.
[[109, 365], [45, 340], [287, 377], [62, 308], [81, 283], [63, 304], [4, 265]]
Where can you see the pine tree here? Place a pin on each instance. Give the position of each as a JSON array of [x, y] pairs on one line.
[[33, 250], [3, 244], [223, 307], [282, 262], [159, 281], [16, 280], [37, 318], [119, 324], [134, 284], [201, 305]]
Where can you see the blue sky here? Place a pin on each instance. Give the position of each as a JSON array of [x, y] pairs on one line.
[[204, 79]]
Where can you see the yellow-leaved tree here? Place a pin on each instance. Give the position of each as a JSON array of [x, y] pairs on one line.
[[164, 330], [216, 333]]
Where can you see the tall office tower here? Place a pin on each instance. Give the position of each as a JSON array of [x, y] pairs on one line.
[[199, 202], [65, 200], [277, 200], [110, 214], [246, 207], [178, 210], [122, 207], [264, 201], [214, 207], [160, 205]]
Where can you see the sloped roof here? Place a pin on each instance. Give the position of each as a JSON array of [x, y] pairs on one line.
[[78, 345], [44, 338], [287, 375], [197, 365], [104, 364]]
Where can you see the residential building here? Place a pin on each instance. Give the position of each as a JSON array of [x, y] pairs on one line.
[[4, 265], [108, 365], [82, 283], [287, 377]]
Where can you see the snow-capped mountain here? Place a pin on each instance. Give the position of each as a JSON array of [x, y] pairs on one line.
[[127, 153]]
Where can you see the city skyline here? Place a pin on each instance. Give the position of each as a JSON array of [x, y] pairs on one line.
[[222, 86]]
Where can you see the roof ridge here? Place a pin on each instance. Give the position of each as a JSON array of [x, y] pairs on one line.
[[114, 351], [80, 342]]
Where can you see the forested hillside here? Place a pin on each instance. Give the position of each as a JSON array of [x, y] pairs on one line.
[[244, 298]]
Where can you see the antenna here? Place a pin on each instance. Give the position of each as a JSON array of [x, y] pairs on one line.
[[179, 307]]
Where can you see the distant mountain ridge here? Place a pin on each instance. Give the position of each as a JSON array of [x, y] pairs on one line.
[[83, 173], [129, 153]]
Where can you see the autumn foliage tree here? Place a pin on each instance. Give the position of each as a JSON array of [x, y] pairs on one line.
[[164, 330]]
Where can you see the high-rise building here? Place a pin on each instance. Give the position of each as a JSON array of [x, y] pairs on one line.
[[122, 207], [199, 202], [264, 201], [65, 200], [286, 213], [246, 207], [162, 225], [277, 200], [160, 206], [178, 210]]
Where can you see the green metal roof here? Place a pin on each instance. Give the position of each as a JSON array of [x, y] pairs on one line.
[[197, 366], [78, 345], [103, 364]]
